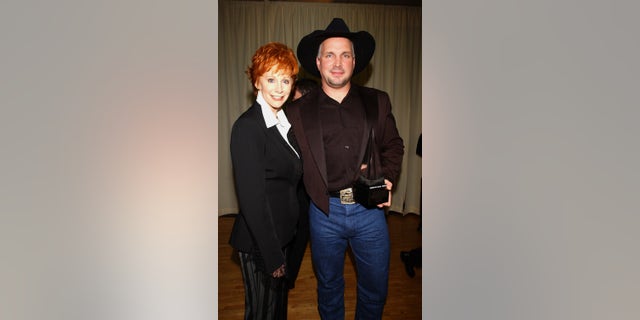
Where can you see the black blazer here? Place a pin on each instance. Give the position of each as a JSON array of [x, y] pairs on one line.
[[268, 186]]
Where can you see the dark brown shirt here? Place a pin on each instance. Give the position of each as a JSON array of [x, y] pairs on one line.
[[342, 125]]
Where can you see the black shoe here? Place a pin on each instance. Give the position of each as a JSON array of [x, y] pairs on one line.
[[408, 265]]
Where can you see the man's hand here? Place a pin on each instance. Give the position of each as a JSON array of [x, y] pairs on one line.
[[389, 186]]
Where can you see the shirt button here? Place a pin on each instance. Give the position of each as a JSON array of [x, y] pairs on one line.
[[347, 147]]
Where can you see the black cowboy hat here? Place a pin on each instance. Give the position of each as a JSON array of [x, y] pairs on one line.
[[363, 44]]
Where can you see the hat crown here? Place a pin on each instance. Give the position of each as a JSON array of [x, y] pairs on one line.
[[337, 25]]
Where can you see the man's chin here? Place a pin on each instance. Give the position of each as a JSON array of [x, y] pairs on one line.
[[338, 84]]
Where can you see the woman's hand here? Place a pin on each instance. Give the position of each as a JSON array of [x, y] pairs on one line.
[[280, 272]]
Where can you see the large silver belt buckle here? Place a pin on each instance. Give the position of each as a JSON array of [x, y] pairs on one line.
[[346, 196]]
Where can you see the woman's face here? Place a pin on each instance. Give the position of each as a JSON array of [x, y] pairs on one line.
[[275, 87]]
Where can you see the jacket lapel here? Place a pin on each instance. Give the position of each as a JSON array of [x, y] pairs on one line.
[[370, 104], [272, 133], [313, 134], [293, 140], [275, 135]]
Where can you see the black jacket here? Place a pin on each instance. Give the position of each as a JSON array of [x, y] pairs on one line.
[[269, 189]]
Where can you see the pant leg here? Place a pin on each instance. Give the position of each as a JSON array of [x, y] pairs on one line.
[[371, 248], [295, 253], [328, 247], [264, 296]]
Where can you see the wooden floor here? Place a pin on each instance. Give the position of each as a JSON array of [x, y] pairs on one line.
[[404, 296]]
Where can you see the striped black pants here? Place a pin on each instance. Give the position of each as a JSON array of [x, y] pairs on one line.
[[265, 297]]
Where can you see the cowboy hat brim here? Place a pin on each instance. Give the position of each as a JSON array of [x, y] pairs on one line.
[[363, 44]]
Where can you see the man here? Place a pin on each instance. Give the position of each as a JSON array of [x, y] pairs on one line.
[[332, 126]]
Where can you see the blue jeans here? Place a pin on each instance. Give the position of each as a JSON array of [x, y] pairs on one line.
[[365, 230]]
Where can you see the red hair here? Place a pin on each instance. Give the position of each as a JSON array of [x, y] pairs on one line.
[[269, 55]]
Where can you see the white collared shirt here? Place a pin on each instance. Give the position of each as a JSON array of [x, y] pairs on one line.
[[279, 119]]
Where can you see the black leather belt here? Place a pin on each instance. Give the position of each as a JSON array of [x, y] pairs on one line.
[[337, 192]]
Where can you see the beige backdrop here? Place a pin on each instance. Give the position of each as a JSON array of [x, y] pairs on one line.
[[395, 68]]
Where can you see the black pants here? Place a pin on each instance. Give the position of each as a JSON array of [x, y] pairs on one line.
[[265, 297]]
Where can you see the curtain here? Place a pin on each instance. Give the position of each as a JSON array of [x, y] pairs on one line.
[[395, 68]]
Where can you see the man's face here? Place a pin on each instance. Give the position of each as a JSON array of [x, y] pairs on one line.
[[336, 62]]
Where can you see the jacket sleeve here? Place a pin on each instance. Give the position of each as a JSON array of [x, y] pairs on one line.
[[390, 144], [248, 143]]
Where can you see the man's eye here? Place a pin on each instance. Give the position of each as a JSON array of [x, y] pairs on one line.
[[270, 80]]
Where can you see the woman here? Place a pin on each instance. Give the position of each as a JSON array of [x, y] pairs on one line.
[[267, 171]]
